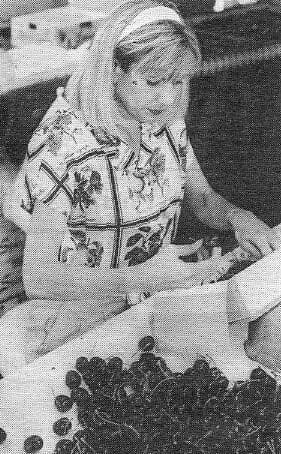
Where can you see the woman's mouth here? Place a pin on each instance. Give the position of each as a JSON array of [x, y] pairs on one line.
[[155, 112]]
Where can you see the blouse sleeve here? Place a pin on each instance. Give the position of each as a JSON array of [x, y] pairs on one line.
[[44, 173]]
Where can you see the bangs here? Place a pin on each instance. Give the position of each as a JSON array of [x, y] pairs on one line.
[[161, 51], [168, 65]]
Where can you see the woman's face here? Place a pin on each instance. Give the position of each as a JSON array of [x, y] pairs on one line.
[[144, 99]]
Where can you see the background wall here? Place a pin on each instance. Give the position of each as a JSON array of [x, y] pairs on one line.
[[9, 8]]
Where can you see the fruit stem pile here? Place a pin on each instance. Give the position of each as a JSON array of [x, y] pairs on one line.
[[148, 409]]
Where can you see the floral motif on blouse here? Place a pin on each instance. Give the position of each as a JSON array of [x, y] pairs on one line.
[[94, 254], [77, 241], [183, 148], [28, 207], [143, 180], [147, 243], [103, 138], [85, 189], [55, 127], [106, 192]]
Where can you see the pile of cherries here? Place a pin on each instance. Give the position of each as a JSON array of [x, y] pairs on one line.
[[148, 409]]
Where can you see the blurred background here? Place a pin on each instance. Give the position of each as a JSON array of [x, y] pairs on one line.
[[10, 8]]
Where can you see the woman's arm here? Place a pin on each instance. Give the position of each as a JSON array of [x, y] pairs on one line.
[[210, 208], [215, 211], [45, 277], [12, 201]]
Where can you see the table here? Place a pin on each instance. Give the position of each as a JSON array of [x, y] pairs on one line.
[[184, 324], [27, 396]]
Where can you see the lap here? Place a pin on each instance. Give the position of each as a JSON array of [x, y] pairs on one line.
[[39, 326], [11, 246]]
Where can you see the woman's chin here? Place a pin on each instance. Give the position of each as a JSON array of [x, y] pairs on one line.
[[152, 117]]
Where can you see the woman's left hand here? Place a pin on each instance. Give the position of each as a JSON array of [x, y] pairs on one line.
[[253, 235]]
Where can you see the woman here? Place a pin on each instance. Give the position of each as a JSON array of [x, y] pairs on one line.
[[100, 191]]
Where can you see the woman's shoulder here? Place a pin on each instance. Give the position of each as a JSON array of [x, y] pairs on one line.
[[62, 132], [58, 119]]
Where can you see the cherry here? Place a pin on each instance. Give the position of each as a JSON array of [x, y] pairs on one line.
[[63, 403], [73, 379], [97, 364], [147, 343], [134, 366], [201, 366], [148, 357], [82, 364], [154, 379], [148, 403], [88, 377], [3, 435], [33, 444], [62, 426], [64, 446], [178, 375], [147, 361], [259, 374], [85, 418], [238, 386], [189, 373], [80, 396], [267, 433], [218, 385], [215, 373], [270, 384], [114, 364]]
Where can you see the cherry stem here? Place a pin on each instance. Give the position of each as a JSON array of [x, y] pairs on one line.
[[108, 421], [161, 382]]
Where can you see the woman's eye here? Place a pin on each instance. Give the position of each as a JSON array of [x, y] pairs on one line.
[[177, 82], [152, 83]]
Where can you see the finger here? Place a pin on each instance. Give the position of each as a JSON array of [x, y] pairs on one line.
[[203, 254], [249, 248], [188, 249], [210, 279], [238, 254], [200, 255], [223, 267], [262, 244], [275, 240], [277, 231]]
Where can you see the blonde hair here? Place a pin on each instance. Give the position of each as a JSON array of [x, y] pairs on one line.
[[167, 45]]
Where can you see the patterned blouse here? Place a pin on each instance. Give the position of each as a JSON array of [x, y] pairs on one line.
[[120, 208]]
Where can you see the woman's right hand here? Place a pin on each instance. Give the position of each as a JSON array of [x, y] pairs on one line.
[[175, 273]]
